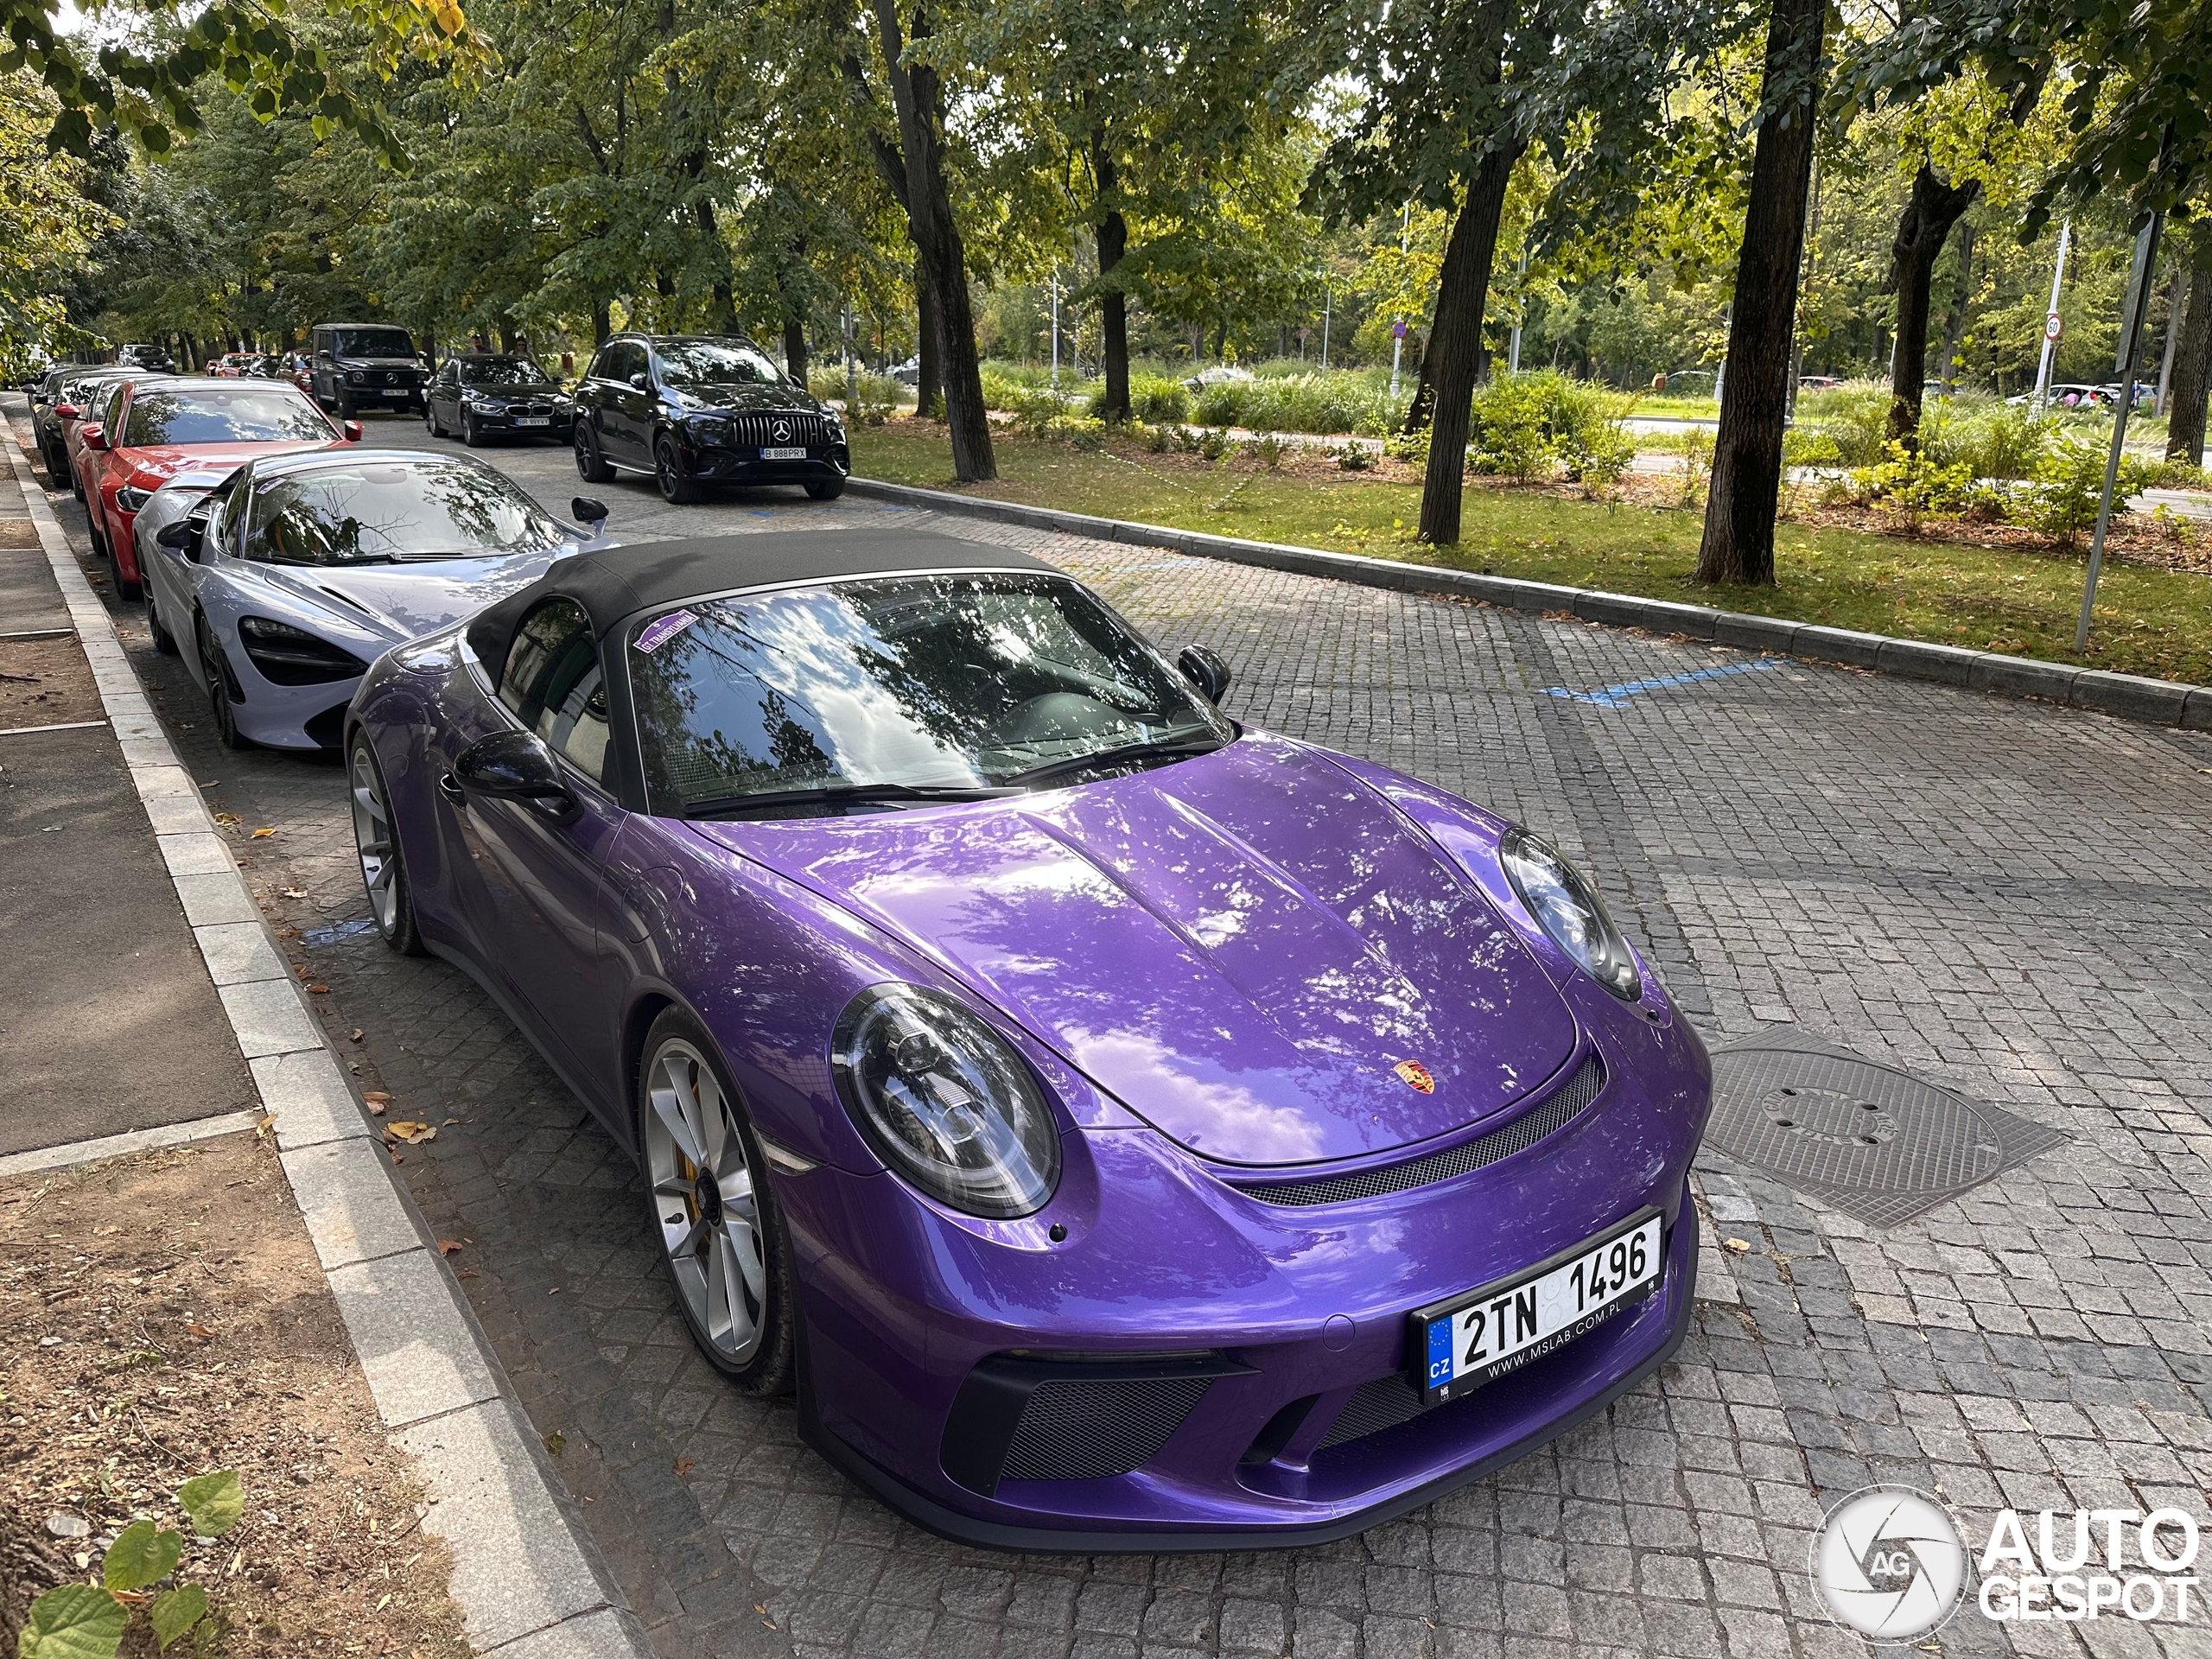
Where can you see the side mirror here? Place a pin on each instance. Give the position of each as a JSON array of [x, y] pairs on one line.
[[1203, 668], [516, 767], [589, 511], [96, 437], [67, 411], [180, 537], [638, 381], [352, 431]]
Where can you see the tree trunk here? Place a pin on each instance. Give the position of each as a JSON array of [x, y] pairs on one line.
[[795, 348], [1955, 327], [2193, 359], [1113, 304], [917, 96], [1933, 207], [602, 321], [1745, 487], [1453, 356], [725, 320], [929, 350], [1424, 401]]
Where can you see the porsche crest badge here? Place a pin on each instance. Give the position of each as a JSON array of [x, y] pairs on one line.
[[1416, 1076]]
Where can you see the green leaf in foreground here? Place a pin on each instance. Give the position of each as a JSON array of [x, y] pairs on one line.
[[141, 1556], [214, 1501], [75, 1622], [175, 1611]]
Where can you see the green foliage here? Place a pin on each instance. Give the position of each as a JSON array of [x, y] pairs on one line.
[[1529, 426], [140, 1555], [1803, 446], [175, 1611], [2063, 492], [1338, 401], [1152, 398], [2171, 474], [1992, 443], [1358, 458], [213, 1501], [77, 1621], [1917, 482], [1854, 417]]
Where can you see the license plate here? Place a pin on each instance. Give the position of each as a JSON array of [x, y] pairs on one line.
[[533, 420], [783, 454], [1462, 1342]]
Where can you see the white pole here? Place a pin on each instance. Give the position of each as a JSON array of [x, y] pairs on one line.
[[2131, 325], [1521, 304], [1397, 323], [2050, 345], [1056, 327], [1327, 294], [852, 369]]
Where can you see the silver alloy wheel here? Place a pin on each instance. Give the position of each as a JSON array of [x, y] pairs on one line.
[[373, 840], [703, 1201]]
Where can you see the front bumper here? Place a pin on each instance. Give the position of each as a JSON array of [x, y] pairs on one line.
[[745, 466], [1302, 1430], [536, 423]]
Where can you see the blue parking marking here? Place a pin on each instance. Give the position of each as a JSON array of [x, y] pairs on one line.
[[336, 931], [1616, 696]]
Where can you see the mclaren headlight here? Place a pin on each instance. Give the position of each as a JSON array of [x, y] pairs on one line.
[[944, 1102], [1567, 908]]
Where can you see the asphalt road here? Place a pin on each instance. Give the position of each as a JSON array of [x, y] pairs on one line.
[[2006, 898]]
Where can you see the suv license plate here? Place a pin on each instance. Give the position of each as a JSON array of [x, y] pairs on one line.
[[783, 454], [533, 420], [1460, 1344]]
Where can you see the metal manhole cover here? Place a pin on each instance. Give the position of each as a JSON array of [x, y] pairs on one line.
[[1875, 1142]]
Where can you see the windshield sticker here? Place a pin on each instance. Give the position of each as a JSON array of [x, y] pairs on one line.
[[661, 630]]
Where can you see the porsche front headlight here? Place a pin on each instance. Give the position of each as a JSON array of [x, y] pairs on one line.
[[1567, 908], [945, 1102]]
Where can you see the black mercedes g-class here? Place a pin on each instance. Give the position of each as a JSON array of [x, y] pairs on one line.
[[357, 365]]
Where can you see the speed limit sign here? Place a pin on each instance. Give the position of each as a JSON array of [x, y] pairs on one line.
[[2052, 326]]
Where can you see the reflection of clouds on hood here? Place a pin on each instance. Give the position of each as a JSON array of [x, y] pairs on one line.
[[1150, 1076]]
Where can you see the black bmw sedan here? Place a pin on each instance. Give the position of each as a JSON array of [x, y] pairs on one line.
[[478, 396], [694, 409]]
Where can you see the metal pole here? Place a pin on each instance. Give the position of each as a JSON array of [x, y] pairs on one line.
[[1397, 336], [1056, 327], [1327, 294], [2131, 325], [2050, 345], [1521, 302], [852, 369], [2174, 299]]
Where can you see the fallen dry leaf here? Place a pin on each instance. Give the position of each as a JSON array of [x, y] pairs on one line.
[[199, 1331], [466, 1273], [685, 1466], [262, 1124], [261, 834], [355, 1035], [293, 893], [406, 1129], [318, 989], [1736, 1244], [448, 1246], [226, 819]]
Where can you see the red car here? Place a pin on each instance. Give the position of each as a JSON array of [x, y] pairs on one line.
[[154, 428]]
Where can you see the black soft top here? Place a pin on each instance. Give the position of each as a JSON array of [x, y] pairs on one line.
[[614, 583]]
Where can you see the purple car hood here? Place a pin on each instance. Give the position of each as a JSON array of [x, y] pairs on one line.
[[405, 601], [1241, 948]]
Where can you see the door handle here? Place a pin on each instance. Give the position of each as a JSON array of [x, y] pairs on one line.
[[449, 786]]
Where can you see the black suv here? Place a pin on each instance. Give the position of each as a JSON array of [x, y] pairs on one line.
[[696, 408], [478, 395], [357, 365]]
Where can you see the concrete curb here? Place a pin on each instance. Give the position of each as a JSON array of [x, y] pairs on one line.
[[2162, 702], [525, 1576]]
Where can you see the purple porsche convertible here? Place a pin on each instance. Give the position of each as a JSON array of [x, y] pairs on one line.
[[1123, 1129]]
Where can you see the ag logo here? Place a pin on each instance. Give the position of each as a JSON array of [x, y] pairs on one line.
[[783, 430], [1416, 1076], [1888, 1564]]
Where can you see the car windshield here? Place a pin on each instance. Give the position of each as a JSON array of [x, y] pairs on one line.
[[501, 371], [942, 683], [714, 363], [372, 342], [372, 512], [214, 414]]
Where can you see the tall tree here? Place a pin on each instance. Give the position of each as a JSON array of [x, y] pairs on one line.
[[2193, 353], [1745, 491], [1931, 210]]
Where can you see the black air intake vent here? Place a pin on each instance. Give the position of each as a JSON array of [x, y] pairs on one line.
[[1577, 1092], [1072, 1417], [1384, 1403]]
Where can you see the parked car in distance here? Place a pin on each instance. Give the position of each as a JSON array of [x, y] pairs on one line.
[[1817, 383], [150, 358], [357, 365], [694, 409], [1123, 1129], [103, 398], [232, 364], [74, 385], [478, 396], [154, 428], [281, 580]]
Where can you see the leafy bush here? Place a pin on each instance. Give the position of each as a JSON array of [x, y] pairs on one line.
[[2179, 475], [1809, 446], [2061, 496], [1338, 401], [1358, 457], [84, 1621], [1529, 425], [875, 397], [1918, 481], [1994, 441], [1152, 398], [1411, 448], [1855, 414]]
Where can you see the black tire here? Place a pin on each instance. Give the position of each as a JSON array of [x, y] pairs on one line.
[[677, 487], [76, 484], [469, 436], [345, 407], [771, 1365], [430, 419], [392, 900], [219, 688], [826, 489], [164, 641], [591, 464], [124, 586]]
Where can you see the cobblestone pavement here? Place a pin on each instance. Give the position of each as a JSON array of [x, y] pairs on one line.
[[2009, 899]]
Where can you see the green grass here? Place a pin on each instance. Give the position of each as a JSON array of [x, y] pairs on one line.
[[2148, 621]]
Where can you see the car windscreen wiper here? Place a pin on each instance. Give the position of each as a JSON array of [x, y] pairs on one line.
[[1160, 748], [723, 806]]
